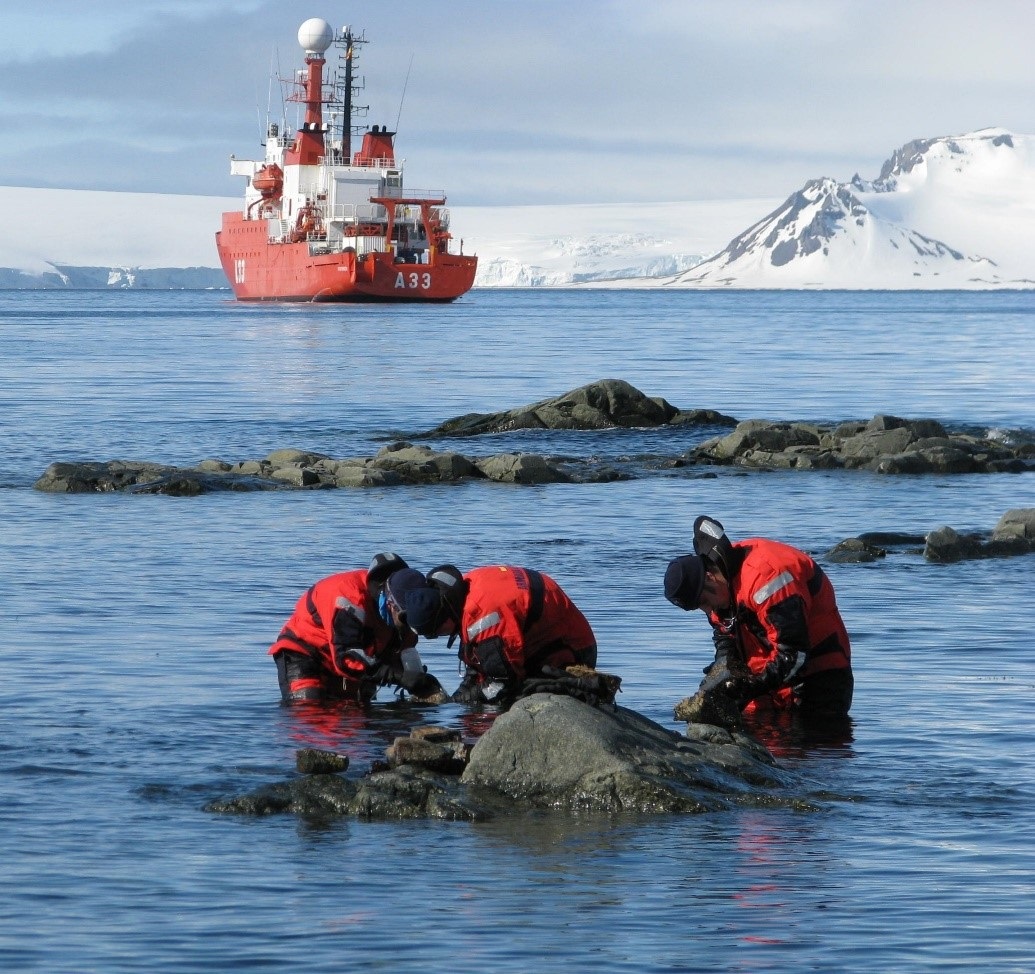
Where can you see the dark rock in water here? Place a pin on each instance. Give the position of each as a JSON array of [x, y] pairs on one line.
[[854, 550], [604, 404], [406, 792], [884, 445], [547, 751], [1013, 535], [446, 757], [522, 468], [311, 760], [947, 545], [137, 477]]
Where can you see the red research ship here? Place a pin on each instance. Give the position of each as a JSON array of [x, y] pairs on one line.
[[320, 223]]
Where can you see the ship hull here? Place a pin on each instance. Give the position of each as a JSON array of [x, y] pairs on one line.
[[259, 270]]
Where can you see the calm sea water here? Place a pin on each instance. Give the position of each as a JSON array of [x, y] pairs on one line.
[[133, 634]]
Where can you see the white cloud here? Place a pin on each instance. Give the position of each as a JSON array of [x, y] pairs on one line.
[[512, 102]]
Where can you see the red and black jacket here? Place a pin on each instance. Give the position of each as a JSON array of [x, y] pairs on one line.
[[516, 621], [336, 625], [786, 626]]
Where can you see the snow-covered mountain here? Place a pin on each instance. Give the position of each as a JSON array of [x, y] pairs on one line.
[[944, 213]]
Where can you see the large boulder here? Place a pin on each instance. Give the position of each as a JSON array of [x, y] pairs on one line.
[[557, 752], [1016, 523]]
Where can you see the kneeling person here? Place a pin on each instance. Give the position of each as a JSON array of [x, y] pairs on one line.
[[511, 622], [779, 638], [348, 636]]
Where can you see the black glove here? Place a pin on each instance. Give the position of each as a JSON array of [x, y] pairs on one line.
[[469, 691], [422, 685], [739, 689]]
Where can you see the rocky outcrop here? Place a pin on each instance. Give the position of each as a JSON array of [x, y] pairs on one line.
[[393, 465], [604, 404], [546, 752], [1014, 534], [885, 444]]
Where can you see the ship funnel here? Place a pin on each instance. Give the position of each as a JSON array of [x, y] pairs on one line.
[[315, 36]]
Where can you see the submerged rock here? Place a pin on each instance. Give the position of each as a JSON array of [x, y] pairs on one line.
[[546, 751], [854, 551]]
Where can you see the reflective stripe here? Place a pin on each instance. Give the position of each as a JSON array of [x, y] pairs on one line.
[[343, 603], [485, 622], [305, 683], [710, 528], [771, 588]]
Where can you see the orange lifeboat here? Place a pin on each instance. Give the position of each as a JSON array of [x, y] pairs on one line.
[[269, 181]]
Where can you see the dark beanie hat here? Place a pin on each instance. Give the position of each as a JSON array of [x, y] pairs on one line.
[[402, 583], [424, 610], [684, 582]]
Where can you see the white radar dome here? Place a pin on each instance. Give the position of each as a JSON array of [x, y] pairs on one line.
[[315, 35]]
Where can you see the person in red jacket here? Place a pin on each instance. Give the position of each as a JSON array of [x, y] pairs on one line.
[[348, 636], [511, 622], [779, 638]]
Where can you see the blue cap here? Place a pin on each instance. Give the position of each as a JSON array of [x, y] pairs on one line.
[[424, 611]]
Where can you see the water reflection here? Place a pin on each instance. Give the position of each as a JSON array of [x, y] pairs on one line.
[[792, 735], [364, 730]]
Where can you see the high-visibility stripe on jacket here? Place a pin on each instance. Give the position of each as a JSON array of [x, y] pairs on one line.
[[516, 620], [788, 624], [336, 623]]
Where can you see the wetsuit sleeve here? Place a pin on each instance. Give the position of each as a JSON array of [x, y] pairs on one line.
[[489, 658], [350, 640], [725, 646], [786, 622]]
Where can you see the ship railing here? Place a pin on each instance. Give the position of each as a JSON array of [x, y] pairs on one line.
[[355, 213], [399, 192]]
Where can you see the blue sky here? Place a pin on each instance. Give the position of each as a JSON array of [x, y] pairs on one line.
[[540, 101]]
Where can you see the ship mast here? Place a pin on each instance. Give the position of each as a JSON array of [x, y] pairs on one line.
[[348, 41], [314, 36]]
